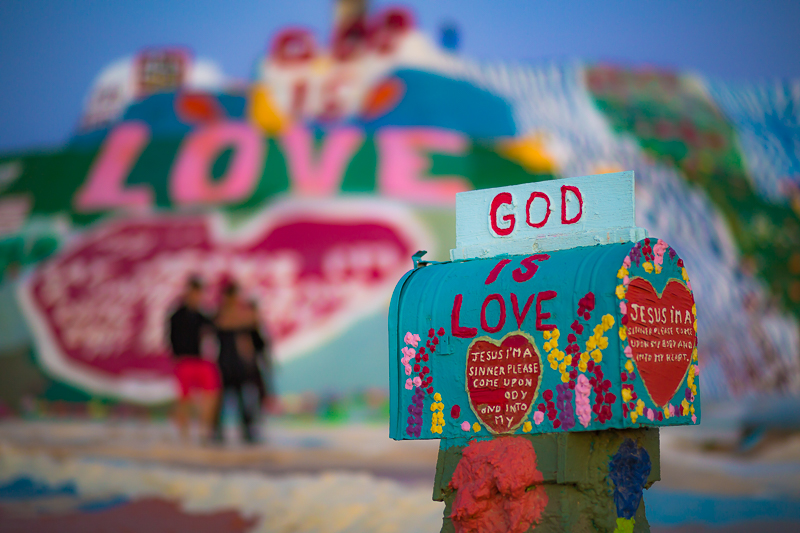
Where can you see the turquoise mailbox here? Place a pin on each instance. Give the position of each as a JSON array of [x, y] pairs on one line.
[[555, 315]]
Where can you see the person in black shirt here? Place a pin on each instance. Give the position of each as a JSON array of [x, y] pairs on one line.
[[198, 379]]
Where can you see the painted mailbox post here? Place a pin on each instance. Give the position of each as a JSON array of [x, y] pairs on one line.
[[545, 356]]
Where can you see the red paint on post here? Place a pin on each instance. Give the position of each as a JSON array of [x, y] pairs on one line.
[[544, 295], [501, 321], [574, 190], [534, 195], [504, 198], [455, 316], [498, 487]]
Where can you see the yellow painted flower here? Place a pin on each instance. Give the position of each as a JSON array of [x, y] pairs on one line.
[[666, 411], [582, 366], [658, 269], [626, 395], [684, 274], [608, 322], [591, 344], [623, 333], [527, 426], [639, 406], [648, 266], [620, 292], [565, 377], [437, 397], [546, 335], [476, 427], [684, 407], [694, 354], [433, 406], [695, 325], [622, 272], [558, 354], [598, 330], [556, 334], [629, 366], [602, 343], [634, 416], [691, 408], [547, 346], [568, 360], [562, 367], [597, 355], [553, 365], [694, 310]]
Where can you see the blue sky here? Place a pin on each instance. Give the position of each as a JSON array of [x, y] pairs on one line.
[[51, 50]]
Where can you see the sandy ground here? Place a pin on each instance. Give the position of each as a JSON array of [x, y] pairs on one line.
[[317, 477]]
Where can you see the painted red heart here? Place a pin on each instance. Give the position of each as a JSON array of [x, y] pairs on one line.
[[503, 380], [661, 335], [98, 308]]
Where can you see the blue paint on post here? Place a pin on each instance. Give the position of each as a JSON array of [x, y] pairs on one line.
[[629, 470]]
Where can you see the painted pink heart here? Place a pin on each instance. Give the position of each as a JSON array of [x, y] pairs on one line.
[[503, 380], [661, 335], [98, 308]]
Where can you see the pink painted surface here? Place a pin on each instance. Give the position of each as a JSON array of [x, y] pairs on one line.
[[404, 163], [104, 301], [192, 182], [105, 186], [319, 174]]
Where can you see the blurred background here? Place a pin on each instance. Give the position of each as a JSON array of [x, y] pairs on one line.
[[307, 149]]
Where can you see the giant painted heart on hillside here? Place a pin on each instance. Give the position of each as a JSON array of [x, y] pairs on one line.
[[661, 335], [503, 380], [98, 308]]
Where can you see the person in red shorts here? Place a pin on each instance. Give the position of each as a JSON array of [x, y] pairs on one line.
[[198, 378]]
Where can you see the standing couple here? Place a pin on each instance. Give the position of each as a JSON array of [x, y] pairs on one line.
[[243, 360]]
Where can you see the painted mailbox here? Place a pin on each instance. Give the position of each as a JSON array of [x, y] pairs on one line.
[[538, 336], [557, 317]]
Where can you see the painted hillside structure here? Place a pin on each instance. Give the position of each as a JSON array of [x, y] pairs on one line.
[[314, 182]]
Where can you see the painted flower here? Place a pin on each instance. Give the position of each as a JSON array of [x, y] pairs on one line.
[[526, 427], [408, 370], [538, 417], [650, 414], [628, 353], [412, 339], [627, 262], [409, 353], [417, 381], [648, 267], [409, 384]]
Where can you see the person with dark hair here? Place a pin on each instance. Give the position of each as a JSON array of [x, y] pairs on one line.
[[197, 378], [239, 344]]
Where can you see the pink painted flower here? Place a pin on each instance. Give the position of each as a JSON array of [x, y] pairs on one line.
[[409, 353], [694, 419], [538, 416], [627, 262], [689, 285], [411, 339], [628, 352], [623, 308], [582, 405], [465, 426], [417, 381], [626, 280], [650, 414], [408, 370], [409, 384], [671, 410]]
